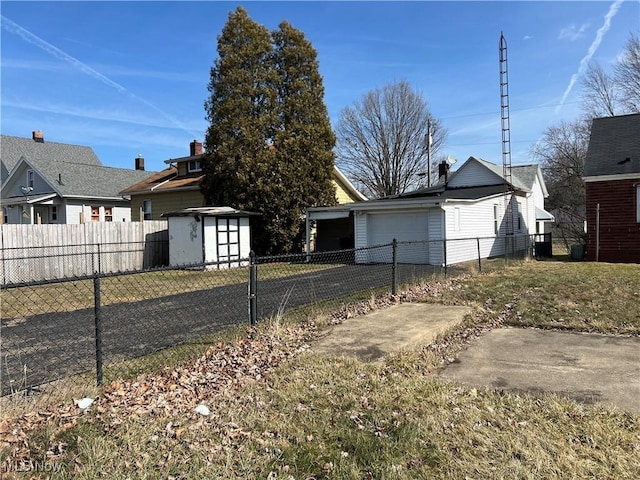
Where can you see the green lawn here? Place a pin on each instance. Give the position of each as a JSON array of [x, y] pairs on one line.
[[280, 411]]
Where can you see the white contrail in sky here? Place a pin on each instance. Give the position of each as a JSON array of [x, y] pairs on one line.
[[584, 63], [26, 35]]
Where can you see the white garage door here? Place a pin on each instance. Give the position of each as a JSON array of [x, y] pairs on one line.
[[382, 228]]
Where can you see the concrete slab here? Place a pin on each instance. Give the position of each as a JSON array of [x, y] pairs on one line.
[[372, 336], [586, 367]]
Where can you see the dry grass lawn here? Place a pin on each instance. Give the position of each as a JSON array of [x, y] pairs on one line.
[[278, 411]]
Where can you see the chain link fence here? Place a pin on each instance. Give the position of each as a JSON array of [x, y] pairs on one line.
[[95, 324], [29, 263]]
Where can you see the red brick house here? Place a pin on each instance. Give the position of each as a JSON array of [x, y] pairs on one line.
[[612, 181]]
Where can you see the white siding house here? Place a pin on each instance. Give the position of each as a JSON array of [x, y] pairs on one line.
[[450, 222], [55, 183]]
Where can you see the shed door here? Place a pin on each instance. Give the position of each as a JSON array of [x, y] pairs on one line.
[[382, 228], [228, 240]]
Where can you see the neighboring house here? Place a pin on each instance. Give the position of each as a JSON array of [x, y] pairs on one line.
[[469, 204], [612, 185], [178, 187], [49, 182]]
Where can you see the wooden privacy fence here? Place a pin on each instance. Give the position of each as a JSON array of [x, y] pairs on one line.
[[31, 253]]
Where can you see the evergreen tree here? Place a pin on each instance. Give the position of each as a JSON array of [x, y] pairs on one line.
[[241, 113], [269, 143], [303, 139]]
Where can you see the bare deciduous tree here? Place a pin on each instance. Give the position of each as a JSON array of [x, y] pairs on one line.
[[627, 74], [383, 139], [561, 152], [599, 92], [608, 94]]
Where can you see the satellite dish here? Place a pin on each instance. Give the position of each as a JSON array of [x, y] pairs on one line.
[[451, 159]]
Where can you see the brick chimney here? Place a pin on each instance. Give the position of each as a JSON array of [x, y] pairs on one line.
[[37, 136], [443, 171], [195, 148], [139, 162]]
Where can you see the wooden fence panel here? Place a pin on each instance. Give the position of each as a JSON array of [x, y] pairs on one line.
[[42, 252]]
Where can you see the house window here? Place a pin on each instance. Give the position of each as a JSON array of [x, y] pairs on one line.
[[146, 210], [456, 219], [95, 214], [519, 213], [108, 214], [30, 178], [194, 166], [638, 204], [54, 213], [5, 215], [496, 225]]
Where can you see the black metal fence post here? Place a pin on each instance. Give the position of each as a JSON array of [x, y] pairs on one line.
[[479, 258], [394, 266], [444, 250], [97, 315], [253, 281]]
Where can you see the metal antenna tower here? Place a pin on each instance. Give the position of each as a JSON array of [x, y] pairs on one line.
[[506, 135]]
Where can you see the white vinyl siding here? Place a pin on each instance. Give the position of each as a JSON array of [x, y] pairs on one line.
[[472, 174], [476, 221]]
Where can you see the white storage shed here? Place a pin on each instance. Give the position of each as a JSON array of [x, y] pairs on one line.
[[219, 237]]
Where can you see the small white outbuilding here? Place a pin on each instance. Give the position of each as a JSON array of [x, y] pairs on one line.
[[219, 237]]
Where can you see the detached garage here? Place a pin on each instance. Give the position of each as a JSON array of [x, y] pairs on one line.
[[218, 236], [378, 222], [418, 225], [460, 219]]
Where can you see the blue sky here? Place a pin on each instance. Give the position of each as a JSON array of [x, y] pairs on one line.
[[129, 78]]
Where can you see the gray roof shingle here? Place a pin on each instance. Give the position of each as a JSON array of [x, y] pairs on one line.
[[526, 174], [614, 146], [79, 168], [12, 148], [87, 180]]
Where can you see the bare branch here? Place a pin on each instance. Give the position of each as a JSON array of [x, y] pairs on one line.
[[383, 141], [627, 75], [599, 92]]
